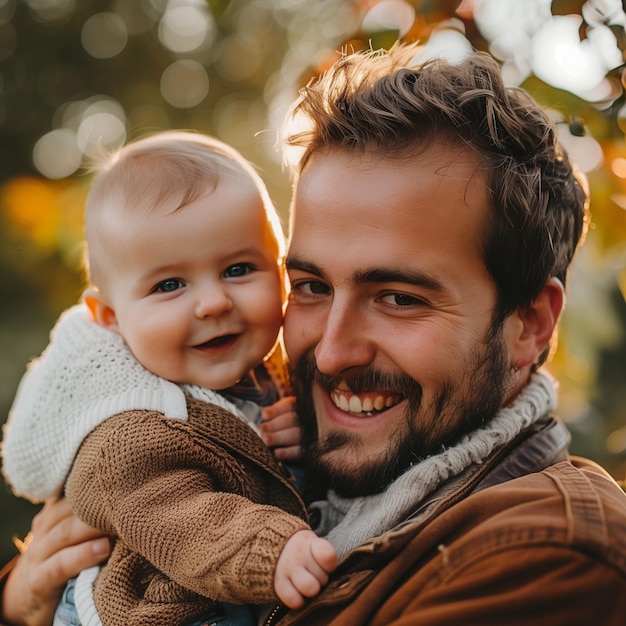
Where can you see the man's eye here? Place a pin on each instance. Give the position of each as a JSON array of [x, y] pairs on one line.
[[402, 300], [311, 288], [171, 284], [235, 271]]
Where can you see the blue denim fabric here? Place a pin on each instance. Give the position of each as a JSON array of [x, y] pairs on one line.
[[66, 613], [229, 615]]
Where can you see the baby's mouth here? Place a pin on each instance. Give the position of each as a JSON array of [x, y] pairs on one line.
[[364, 404], [217, 342]]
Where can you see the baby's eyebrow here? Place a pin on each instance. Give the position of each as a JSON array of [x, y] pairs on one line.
[[162, 271]]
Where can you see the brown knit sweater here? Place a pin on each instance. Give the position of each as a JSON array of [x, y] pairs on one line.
[[201, 508]]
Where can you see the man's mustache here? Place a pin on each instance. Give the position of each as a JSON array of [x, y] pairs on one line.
[[367, 380]]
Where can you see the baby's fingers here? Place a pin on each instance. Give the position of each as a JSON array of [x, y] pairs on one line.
[[284, 406], [325, 555]]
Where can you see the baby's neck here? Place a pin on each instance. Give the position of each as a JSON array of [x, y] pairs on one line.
[[248, 381]]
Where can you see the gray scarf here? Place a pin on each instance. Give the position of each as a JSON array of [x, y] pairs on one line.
[[352, 521]]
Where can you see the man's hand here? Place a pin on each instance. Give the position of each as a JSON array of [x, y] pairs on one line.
[[280, 430], [303, 568], [61, 546]]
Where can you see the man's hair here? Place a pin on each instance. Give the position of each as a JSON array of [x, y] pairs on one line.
[[382, 103], [171, 167]]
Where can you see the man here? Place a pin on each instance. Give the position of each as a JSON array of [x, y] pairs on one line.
[[433, 222]]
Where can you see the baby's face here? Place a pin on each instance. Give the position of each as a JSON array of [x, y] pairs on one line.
[[197, 293]]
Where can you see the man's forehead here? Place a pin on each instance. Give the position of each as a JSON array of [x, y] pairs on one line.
[[350, 213], [331, 175], [448, 151], [325, 172]]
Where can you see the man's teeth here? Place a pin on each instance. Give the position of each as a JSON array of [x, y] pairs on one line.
[[366, 404]]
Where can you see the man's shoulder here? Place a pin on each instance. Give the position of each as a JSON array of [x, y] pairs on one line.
[[547, 547], [569, 511], [573, 504], [579, 489]]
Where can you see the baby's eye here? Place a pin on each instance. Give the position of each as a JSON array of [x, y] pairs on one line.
[[237, 270], [171, 284]]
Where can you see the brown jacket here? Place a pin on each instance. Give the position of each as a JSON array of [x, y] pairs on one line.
[[196, 505], [529, 538]]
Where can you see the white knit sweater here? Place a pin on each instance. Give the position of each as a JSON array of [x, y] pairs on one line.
[[86, 374]]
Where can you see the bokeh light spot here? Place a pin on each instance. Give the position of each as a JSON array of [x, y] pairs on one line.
[[184, 84], [56, 154], [560, 58], [30, 204], [618, 167], [104, 35], [447, 41], [390, 15], [51, 10], [185, 29], [99, 132], [621, 119], [585, 151], [616, 441]]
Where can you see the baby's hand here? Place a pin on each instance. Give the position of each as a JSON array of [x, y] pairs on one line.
[[303, 568], [280, 430]]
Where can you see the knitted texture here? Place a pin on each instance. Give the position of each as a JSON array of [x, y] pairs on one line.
[[83, 598], [371, 516], [86, 374], [201, 508]]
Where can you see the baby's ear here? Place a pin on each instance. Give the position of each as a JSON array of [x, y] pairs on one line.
[[101, 312]]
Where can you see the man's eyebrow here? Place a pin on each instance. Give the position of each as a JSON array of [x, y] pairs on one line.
[[294, 263], [397, 275], [374, 275]]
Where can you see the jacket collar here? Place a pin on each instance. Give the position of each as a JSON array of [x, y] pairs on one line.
[[533, 450]]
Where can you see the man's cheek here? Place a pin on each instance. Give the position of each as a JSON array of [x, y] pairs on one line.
[[294, 333]]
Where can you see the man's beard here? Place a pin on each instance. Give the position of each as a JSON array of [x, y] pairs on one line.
[[460, 407]]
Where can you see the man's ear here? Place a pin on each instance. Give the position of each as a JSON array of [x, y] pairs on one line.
[[529, 329], [101, 312]]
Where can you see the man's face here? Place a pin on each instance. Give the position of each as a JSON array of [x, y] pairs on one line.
[[389, 325]]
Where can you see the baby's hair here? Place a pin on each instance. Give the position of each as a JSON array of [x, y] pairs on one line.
[[171, 167]]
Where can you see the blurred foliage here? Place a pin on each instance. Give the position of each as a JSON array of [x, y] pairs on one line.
[[76, 77]]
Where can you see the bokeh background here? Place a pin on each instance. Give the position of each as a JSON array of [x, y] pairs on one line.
[[77, 77]]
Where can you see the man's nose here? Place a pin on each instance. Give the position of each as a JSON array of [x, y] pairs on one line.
[[346, 342], [213, 301]]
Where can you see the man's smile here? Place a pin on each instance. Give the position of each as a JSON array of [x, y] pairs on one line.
[[365, 403]]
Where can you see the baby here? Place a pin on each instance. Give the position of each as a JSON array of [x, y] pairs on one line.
[[184, 300]]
